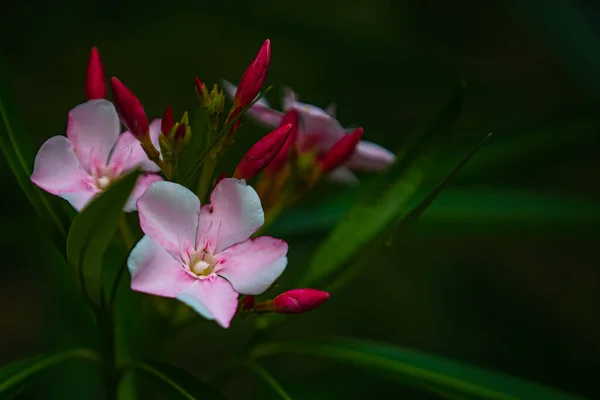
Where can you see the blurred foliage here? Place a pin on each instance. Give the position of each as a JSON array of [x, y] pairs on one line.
[[501, 271]]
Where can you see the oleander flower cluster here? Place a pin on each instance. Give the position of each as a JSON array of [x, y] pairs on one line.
[[202, 242]]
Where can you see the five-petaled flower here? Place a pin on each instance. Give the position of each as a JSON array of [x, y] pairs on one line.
[[93, 154], [319, 129], [204, 256]]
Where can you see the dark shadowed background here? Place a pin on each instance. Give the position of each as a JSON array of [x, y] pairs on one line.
[[502, 271]]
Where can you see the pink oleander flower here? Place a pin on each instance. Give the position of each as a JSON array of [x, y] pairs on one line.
[[203, 256], [93, 154], [320, 129]]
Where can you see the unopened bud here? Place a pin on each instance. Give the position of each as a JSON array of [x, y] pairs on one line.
[[291, 117], [95, 82], [298, 301], [167, 122], [262, 153], [341, 151], [130, 110], [253, 77], [182, 128]]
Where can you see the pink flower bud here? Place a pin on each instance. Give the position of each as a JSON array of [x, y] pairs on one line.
[[291, 117], [95, 82], [130, 110], [262, 153], [254, 77], [167, 121], [298, 301], [341, 151]]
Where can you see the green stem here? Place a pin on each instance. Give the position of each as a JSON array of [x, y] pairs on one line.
[[206, 178], [112, 374]]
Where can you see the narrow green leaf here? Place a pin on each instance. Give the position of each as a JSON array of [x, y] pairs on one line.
[[269, 380], [404, 220], [175, 382], [386, 198], [19, 157], [471, 210], [420, 370], [91, 232], [17, 374]]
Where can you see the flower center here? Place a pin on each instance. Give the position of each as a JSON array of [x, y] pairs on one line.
[[200, 263], [102, 177], [102, 182]]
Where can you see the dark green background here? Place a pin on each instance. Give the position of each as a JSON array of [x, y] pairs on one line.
[[502, 274]]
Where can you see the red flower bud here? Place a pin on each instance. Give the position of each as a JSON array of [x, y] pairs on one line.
[[248, 302], [262, 153], [254, 77], [291, 117], [167, 121], [95, 82], [130, 110], [298, 301], [180, 132], [199, 87], [341, 151]]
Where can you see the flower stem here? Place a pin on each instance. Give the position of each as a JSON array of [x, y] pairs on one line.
[[107, 332], [206, 178]]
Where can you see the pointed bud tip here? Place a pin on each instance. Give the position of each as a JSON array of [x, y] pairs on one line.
[[167, 122], [130, 109], [95, 81]]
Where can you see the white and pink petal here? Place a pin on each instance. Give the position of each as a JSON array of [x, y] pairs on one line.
[[93, 128], [57, 169], [154, 271], [234, 214], [214, 298], [370, 156], [143, 183], [128, 153], [169, 215], [253, 266]]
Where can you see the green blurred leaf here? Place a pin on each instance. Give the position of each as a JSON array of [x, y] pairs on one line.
[[269, 380], [469, 210], [14, 376], [195, 147], [19, 157], [176, 383], [438, 375], [385, 198], [91, 232], [405, 220]]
